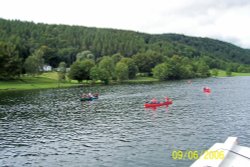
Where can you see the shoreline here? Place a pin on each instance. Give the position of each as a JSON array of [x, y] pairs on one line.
[[18, 87], [40, 82]]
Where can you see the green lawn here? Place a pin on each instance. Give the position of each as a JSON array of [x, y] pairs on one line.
[[49, 80], [46, 80], [223, 74], [240, 74]]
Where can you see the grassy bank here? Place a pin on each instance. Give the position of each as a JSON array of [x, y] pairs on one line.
[[44, 81], [223, 74], [49, 80]]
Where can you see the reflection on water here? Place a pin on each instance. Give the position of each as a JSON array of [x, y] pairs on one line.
[[53, 128]]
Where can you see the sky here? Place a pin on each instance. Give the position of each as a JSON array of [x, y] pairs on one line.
[[226, 20]]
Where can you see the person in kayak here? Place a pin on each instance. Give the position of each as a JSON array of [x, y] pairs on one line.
[[167, 99], [90, 95], [154, 101], [206, 89]]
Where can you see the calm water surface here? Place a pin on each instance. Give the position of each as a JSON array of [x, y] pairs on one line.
[[53, 128]]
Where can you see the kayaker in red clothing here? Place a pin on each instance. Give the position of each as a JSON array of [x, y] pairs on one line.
[[167, 99], [154, 101], [206, 90]]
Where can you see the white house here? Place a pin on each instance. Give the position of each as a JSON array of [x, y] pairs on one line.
[[47, 68]]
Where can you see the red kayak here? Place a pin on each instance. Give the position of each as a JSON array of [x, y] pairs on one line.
[[167, 103]]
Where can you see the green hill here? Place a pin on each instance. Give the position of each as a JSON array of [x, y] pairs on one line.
[[64, 42], [212, 47]]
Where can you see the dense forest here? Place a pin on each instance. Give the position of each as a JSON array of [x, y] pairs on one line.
[[25, 46]]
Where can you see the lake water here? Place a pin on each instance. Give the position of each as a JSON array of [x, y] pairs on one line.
[[53, 128]]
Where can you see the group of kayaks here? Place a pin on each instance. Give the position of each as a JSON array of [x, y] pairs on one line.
[[152, 103], [149, 104]]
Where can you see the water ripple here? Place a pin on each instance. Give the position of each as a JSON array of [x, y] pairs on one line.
[[53, 128]]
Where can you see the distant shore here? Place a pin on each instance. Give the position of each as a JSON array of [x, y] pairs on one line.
[[49, 80]]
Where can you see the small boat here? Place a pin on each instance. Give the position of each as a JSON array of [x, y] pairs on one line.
[[166, 103], [89, 98], [227, 154]]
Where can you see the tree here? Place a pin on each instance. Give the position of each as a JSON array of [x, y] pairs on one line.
[[80, 70], [30, 66], [147, 60], [187, 71], [107, 64], [121, 70], [62, 71], [68, 55], [94, 73], [132, 68], [10, 63], [243, 69], [176, 67], [161, 72], [210, 61], [202, 69], [34, 64], [85, 55], [116, 57], [104, 76], [99, 74], [50, 56], [173, 68]]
